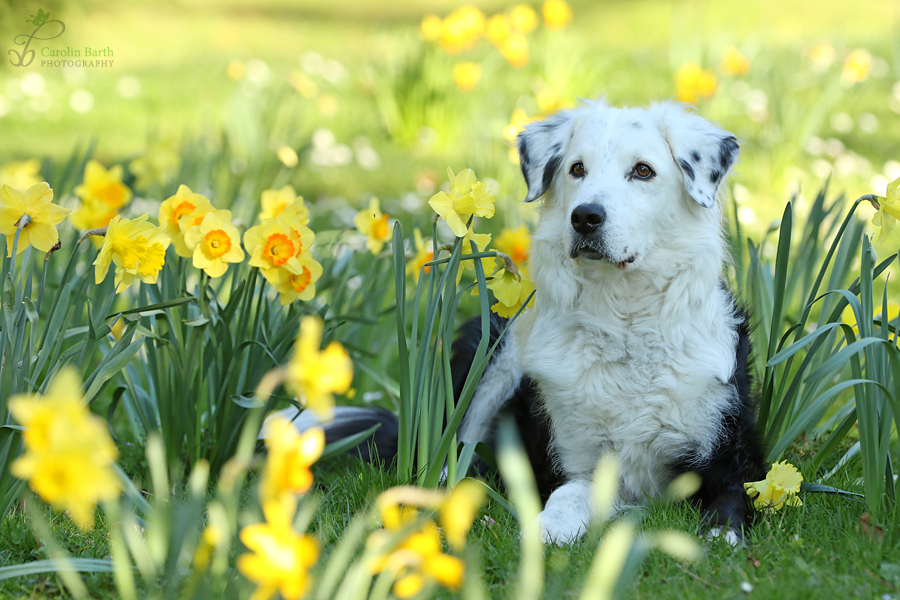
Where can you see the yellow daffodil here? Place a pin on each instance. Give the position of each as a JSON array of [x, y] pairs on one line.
[[215, 243], [510, 291], [461, 29], [467, 197], [458, 511], [424, 254], [69, 455], [300, 285], [466, 75], [514, 243], [557, 14], [316, 375], [276, 243], [279, 559], [692, 83], [22, 174], [515, 50], [888, 210], [274, 202], [138, 249], [374, 225], [780, 487], [35, 213], [497, 29], [158, 164], [857, 66], [179, 213], [290, 456], [734, 62], [431, 27], [415, 560], [104, 186], [523, 18]]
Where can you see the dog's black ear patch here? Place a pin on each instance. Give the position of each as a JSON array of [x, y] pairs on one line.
[[541, 145], [703, 152]]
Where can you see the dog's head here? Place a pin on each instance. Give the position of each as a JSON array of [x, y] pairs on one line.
[[621, 184]]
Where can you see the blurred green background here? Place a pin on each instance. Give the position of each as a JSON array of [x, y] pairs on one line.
[[371, 108]]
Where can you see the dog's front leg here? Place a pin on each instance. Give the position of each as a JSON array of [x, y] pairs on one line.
[[567, 513]]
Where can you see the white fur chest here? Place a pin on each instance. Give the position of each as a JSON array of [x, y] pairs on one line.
[[648, 390]]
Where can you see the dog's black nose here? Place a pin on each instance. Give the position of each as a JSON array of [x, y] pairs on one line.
[[587, 218]]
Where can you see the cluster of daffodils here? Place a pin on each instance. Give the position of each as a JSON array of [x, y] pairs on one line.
[[693, 82], [468, 198], [69, 456], [280, 245], [410, 548], [780, 487], [463, 28]]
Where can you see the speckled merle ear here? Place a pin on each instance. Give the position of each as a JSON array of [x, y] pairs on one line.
[[541, 145], [703, 152]]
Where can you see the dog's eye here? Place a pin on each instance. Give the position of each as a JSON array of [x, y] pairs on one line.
[[642, 171], [577, 170]]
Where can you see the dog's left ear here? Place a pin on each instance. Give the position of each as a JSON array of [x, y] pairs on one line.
[[703, 152], [541, 146]]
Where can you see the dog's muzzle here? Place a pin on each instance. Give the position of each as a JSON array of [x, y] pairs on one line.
[[587, 221]]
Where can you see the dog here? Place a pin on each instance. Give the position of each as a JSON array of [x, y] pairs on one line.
[[634, 345]]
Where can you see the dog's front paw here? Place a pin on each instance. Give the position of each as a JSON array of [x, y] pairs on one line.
[[731, 536], [559, 528]]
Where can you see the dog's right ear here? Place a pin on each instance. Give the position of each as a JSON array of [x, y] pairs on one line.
[[541, 145]]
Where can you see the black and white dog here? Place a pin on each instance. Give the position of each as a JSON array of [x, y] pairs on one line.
[[634, 344]]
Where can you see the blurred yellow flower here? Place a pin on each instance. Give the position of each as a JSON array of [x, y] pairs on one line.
[[138, 249], [300, 285], [235, 70], [275, 201], [467, 197], [549, 101], [374, 225], [104, 186], [497, 29], [822, 56], [304, 85], [210, 540], [780, 487], [214, 243], [316, 375], [69, 455], [557, 14], [461, 29], [515, 50], [158, 165], [181, 212], [517, 123], [510, 291], [734, 62], [415, 560], [424, 254], [279, 559], [692, 83], [290, 456], [514, 243], [523, 18], [287, 156], [856, 67], [34, 210], [22, 174], [466, 75], [888, 210], [431, 28], [457, 512]]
